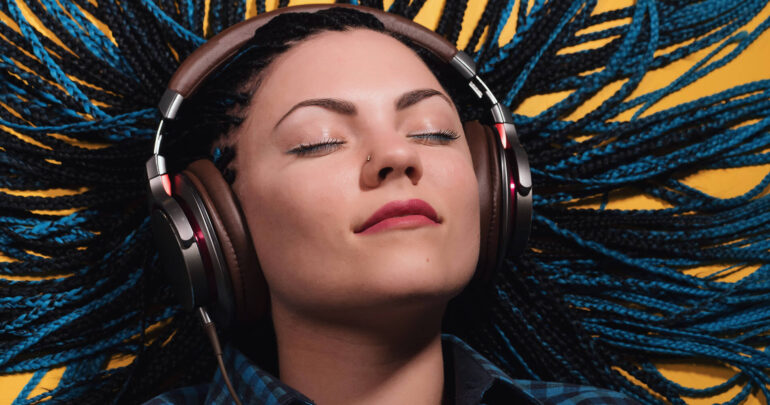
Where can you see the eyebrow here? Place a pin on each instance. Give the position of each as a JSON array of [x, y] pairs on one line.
[[345, 107]]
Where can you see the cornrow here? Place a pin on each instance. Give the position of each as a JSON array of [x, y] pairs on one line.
[[599, 296]]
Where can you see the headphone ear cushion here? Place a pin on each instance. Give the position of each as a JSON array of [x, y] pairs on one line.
[[486, 164], [249, 289]]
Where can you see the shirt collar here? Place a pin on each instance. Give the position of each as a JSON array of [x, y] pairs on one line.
[[252, 384], [477, 379], [471, 378]]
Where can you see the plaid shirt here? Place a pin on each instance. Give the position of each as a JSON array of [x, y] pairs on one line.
[[476, 381]]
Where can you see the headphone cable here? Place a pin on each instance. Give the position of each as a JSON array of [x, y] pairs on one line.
[[211, 332]]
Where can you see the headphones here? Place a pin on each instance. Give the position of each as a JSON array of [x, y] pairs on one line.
[[198, 225]]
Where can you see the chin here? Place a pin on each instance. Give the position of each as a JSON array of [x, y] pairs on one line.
[[391, 273], [414, 277], [378, 285]]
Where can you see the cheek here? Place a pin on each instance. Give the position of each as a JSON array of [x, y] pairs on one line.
[[459, 188], [467, 245], [296, 205], [459, 180], [297, 220]]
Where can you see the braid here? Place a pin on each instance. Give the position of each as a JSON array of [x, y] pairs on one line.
[[451, 19]]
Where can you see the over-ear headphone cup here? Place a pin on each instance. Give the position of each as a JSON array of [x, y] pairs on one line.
[[486, 164], [249, 289], [184, 271]]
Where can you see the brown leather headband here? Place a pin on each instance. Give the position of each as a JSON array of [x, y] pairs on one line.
[[204, 60]]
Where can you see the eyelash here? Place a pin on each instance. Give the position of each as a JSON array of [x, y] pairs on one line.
[[308, 148], [443, 137]]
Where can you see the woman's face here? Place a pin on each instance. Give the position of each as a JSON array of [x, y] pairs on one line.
[[307, 188]]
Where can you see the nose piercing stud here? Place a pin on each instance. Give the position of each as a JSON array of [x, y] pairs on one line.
[[368, 158]]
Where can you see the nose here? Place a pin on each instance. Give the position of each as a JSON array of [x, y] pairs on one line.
[[392, 158]]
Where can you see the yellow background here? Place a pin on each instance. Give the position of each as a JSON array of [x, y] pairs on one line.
[[753, 64]]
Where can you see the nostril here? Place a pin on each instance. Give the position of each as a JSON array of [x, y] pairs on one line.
[[384, 172], [409, 171]]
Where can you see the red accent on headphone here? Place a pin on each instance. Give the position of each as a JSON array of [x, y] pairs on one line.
[[200, 241], [166, 183], [501, 132]]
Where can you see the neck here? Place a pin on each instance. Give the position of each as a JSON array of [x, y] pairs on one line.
[[398, 360]]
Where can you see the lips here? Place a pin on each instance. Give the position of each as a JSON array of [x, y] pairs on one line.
[[409, 213]]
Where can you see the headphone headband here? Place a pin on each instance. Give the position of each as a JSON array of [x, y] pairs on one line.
[[206, 59]]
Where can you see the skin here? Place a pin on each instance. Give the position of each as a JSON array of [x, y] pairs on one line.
[[357, 316]]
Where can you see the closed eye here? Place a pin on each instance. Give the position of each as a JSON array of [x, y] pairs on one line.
[[442, 137], [319, 148]]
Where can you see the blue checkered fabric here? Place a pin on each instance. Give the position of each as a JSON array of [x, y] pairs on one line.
[[472, 379]]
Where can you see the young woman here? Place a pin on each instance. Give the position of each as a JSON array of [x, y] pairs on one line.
[[353, 172]]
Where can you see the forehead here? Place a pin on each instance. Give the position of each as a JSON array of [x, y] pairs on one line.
[[346, 64]]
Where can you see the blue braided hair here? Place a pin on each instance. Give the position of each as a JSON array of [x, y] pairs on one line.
[[600, 297]]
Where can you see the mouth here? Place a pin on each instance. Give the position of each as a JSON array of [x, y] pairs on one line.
[[400, 214]]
